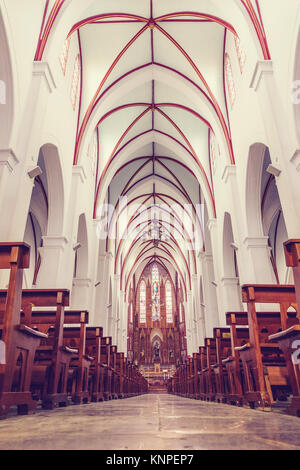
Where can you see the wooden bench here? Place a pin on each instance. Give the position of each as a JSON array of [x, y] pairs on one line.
[[20, 341], [75, 338], [239, 333], [106, 369], [264, 367], [53, 357], [120, 370], [115, 378], [93, 343], [222, 337], [201, 373], [210, 388], [289, 339]]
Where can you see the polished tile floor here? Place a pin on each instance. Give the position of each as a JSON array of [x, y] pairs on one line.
[[151, 422]]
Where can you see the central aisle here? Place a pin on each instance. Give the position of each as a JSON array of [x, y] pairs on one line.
[[151, 422]]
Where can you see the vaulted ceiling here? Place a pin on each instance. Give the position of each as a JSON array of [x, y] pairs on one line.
[[153, 90]]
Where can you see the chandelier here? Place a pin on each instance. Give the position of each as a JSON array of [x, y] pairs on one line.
[[155, 232]]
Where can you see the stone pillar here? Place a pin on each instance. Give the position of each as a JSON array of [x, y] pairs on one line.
[[209, 293], [101, 302], [259, 253], [8, 161], [20, 188], [114, 320], [231, 296], [189, 323], [53, 264], [283, 155], [199, 320], [82, 295]]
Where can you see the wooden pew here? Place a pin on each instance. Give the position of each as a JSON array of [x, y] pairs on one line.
[[233, 363], [106, 369], [75, 338], [222, 337], [289, 339], [115, 379], [20, 341], [196, 369], [208, 372], [93, 342], [53, 357], [201, 372], [120, 370], [266, 374]]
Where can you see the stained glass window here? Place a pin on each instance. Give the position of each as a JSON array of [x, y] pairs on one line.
[[169, 308], [143, 302], [240, 53], [155, 293], [64, 55], [230, 80], [75, 82]]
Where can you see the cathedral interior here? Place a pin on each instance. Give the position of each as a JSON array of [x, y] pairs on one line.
[[149, 225]]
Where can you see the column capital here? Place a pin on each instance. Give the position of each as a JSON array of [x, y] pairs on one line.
[[256, 242], [262, 68], [295, 160], [79, 171], [42, 69], [228, 172], [229, 281], [54, 242], [82, 282], [211, 224], [8, 158]]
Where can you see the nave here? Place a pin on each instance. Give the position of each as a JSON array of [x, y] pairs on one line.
[[151, 422], [149, 223]]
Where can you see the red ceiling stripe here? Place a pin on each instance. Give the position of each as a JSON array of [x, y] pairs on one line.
[[91, 106]]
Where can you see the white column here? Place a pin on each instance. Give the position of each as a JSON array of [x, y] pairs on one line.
[[101, 308], [199, 326], [231, 296], [82, 295], [8, 161], [282, 150], [259, 253], [189, 323], [27, 148], [209, 293], [53, 264]]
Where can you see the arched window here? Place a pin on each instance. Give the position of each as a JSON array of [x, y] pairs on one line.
[[75, 82], [230, 80], [169, 307], [240, 53], [142, 302], [155, 293], [64, 55]]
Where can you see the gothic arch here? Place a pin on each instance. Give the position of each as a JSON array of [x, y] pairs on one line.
[[8, 89], [82, 252], [229, 259], [253, 189], [56, 191]]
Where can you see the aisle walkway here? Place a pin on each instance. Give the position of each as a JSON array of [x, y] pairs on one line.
[[152, 422]]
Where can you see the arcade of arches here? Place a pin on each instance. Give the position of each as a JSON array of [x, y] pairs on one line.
[[150, 159]]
